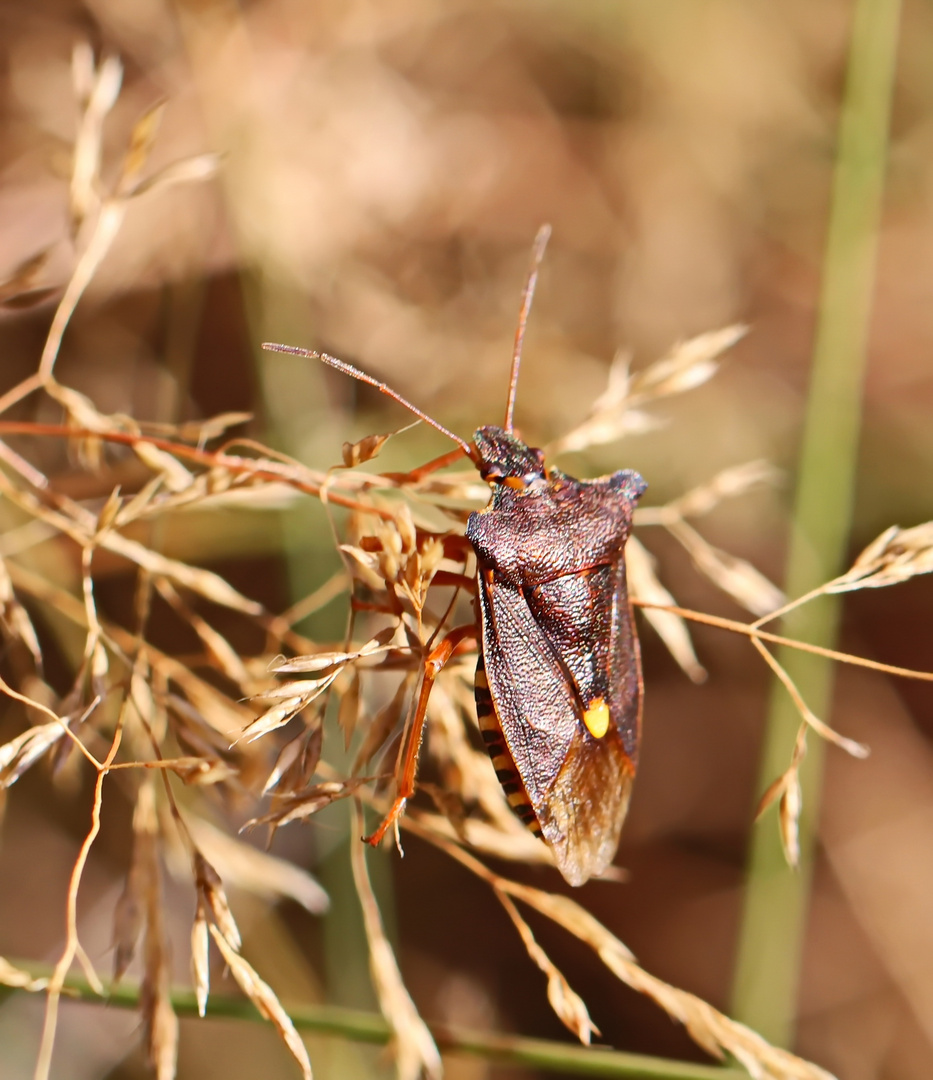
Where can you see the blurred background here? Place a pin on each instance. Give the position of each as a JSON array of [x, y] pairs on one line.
[[384, 170]]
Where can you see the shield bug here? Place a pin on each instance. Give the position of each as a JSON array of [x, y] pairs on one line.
[[558, 682]]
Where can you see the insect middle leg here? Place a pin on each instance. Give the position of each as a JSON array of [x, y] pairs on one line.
[[455, 641]]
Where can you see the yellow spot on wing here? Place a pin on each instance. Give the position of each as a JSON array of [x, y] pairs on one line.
[[596, 718]]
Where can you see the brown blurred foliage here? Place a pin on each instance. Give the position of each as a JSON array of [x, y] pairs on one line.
[[385, 168]]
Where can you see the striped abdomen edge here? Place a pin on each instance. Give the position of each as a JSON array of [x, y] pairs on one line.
[[502, 762]]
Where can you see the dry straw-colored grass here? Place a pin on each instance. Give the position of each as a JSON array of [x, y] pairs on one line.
[[148, 720]]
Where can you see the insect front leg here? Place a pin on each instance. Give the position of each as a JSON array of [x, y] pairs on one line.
[[416, 475], [458, 638]]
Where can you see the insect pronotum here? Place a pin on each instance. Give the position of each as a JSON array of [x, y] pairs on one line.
[[558, 681]]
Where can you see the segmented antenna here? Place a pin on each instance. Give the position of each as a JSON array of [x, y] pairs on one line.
[[537, 254], [349, 369]]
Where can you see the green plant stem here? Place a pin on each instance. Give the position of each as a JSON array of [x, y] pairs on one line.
[[768, 965], [371, 1028]]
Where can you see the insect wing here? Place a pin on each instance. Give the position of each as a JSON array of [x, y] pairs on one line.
[[551, 651]]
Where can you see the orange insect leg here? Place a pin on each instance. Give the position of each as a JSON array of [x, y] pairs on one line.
[[425, 470], [433, 665]]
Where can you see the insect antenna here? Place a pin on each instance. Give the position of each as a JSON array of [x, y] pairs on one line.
[[537, 254], [349, 369]]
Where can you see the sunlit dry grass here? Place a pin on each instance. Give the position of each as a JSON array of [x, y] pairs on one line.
[[176, 736]]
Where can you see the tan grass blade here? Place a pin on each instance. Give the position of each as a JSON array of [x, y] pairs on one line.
[[416, 1054]]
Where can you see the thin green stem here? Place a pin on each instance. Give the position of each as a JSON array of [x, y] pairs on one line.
[[371, 1028], [776, 898]]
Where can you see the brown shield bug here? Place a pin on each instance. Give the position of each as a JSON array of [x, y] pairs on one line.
[[558, 682]]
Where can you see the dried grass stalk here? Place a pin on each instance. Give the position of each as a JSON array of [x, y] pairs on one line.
[[413, 1046]]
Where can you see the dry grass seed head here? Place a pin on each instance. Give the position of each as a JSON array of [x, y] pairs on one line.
[[308, 802], [566, 1003], [258, 872], [708, 1027], [895, 556], [618, 411], [736, 577], [264, 998], [786, 789], [291, 698], [729, 483], [200, 958], [297, 761], [15, 620], [211, 894], [645, 585], [24, 750]]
